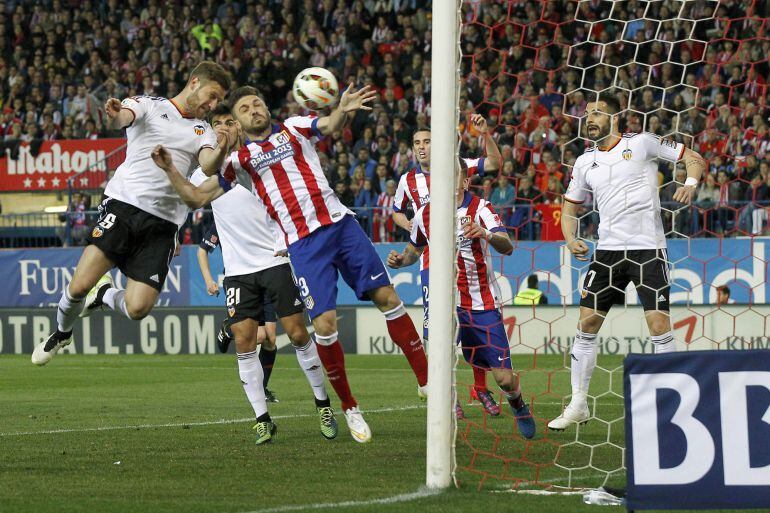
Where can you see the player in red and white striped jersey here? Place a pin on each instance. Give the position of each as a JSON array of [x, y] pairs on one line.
[[481, 333], [414, 189], [323, 238]]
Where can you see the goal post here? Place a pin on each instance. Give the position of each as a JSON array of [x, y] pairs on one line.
[[445, 57]]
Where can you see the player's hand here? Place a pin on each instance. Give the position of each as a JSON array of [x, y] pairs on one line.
[[162, 158], [212, 288], [578, 248], [395, 259], [281, 253], [357, 100], [112, 108], [474, 231], [223, 140], [479, 123], [685, 194]]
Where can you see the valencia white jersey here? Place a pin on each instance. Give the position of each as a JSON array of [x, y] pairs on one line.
[[414, 189], [477, 284], [248, 237], [287, 176], [138, 181], [624, 183]]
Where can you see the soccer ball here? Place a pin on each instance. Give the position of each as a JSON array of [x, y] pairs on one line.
[[315, 88]]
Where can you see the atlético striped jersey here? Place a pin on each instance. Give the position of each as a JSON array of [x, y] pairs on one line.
[[288, 178], [414, 188], [476, 282]]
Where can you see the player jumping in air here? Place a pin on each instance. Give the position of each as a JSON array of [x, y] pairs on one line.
[[322, 236], [622, 173], [414, 190], [481, 333], [137, 227], [255, 275]]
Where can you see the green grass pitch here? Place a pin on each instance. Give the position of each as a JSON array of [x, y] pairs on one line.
[[173, 434]]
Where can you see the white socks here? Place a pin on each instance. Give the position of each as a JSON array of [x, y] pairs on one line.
[[116, 299], [308, 359], [583, 361], [664, 343], [250, 371], [68, 311]]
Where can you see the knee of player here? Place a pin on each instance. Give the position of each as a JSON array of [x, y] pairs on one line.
[[660, 326], [76, 291], [505, 380], [138, 312]]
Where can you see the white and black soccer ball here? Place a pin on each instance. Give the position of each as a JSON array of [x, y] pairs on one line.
[[316, 89]]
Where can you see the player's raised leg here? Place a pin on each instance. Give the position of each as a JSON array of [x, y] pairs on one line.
[[582, 364], [649, 270], [93, 264]]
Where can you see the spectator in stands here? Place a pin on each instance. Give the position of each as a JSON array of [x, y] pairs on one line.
[[364, 205], [756, 199], [503, 197], [75, 229]]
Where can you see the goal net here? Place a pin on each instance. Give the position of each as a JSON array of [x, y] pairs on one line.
[[692, 71]]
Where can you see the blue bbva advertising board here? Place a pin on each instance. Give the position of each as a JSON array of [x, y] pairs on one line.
[[36, 277], [698, 430]]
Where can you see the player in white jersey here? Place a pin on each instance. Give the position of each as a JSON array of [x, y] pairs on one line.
[[257, 271], [137, 227], [621, 171], [481, 332], [414, 190]]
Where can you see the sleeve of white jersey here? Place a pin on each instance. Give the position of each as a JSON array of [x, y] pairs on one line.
[[489, 219], [401, 199], [577, 189], [475, 167], [306, 126], [660, 148], [278, 235], [418, 237], [208, 139], [139, 106]]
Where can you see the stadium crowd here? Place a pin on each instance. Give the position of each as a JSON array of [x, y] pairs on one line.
[[528, 67]]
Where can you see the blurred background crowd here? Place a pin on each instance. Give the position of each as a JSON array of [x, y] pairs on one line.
[[689, 70]]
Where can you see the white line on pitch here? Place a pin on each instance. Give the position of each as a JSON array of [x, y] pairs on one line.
[[191, 424], [404, 497]]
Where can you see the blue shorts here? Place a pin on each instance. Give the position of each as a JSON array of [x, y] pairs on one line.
[[339, 248], [424, 286], [483, 339]]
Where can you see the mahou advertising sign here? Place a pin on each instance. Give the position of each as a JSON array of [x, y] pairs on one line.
[[48, 168]]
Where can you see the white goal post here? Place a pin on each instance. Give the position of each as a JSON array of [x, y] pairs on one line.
[[445, 77]]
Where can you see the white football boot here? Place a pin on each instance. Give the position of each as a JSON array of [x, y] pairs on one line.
[[359, 429], [572, 414]]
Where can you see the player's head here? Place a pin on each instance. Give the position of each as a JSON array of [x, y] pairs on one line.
[[461, 179], [532, 281], [602, 117], [723, 294], [421, 145], [206, 88], [249, 109], [222, 120]]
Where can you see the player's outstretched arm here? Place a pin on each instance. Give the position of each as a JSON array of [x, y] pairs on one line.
[[410, 255], [498, 240], [350, 101], [493, 157], [211, 159], [194, 197], [117, 116], [569, 222], [695, 166]]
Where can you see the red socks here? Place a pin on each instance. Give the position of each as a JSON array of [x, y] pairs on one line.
[[404, 335], [333, 358], [479, 379]]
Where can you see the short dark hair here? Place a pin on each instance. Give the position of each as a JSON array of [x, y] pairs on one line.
[[532, 281], [724, 289], [610, 98], [419, 130], [241, 92], [210, 71], [220, 110]]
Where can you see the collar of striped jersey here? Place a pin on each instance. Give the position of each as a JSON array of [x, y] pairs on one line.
[[276, 128], [467, 197], [419, 169]]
